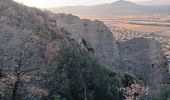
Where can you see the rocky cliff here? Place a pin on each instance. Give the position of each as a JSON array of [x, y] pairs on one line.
[[94, 35], [144, 58], [139, 56]]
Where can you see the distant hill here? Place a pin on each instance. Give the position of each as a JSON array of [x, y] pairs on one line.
[[120, 7], [156, 2]]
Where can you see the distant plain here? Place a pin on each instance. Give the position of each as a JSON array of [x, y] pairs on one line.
[[157, 24]]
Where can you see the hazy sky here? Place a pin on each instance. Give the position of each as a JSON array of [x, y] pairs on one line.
[[59, 3]]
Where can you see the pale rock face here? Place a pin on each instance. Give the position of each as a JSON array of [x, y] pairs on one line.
[[144, 58], [98, 37]]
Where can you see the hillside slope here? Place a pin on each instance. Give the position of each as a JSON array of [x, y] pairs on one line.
[[52, 28], [34, 37]]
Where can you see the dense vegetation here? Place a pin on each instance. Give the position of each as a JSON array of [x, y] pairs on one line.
[[164, 94], [79, 76]]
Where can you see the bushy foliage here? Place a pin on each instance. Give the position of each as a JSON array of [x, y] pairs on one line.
[[164, 93], [79, 76], [45, 35]]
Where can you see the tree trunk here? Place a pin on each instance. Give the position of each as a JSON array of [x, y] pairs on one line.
[[85, 92], [18, 74], [15, 89]]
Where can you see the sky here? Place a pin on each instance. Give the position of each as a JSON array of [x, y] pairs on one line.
[[60, 3]]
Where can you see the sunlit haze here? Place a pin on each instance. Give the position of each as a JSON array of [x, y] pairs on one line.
[[60, 3]]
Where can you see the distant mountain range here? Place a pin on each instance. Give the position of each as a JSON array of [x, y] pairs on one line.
[[156, 2], [120, 7]]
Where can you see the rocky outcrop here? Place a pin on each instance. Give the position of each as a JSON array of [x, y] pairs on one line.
[[94, 35], [144, 58], [141, 57]]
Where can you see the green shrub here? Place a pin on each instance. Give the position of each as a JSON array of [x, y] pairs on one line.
[[164, 93], [58, 97], [45, 35], [79, 76]]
